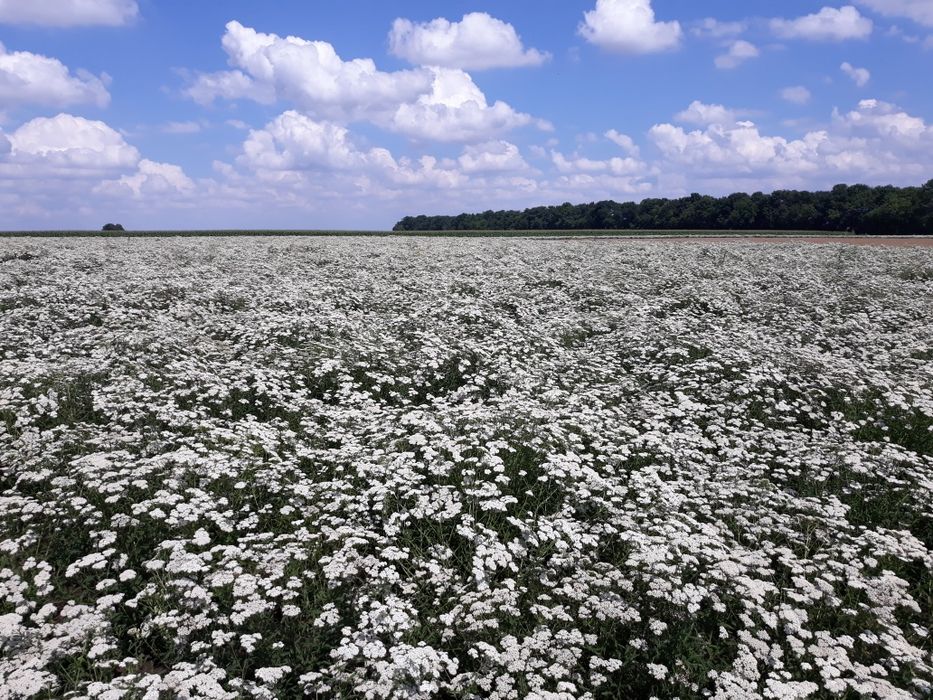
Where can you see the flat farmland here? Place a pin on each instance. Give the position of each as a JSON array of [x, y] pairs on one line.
[[453, 468]]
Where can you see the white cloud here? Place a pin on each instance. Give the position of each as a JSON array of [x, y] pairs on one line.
[[69, 146], [454, 110], [829, 24], [920, 11], [309, 74], [440, 104], [739, 146], [294, 146], [299, 161], [875, 142], [150, 179], [294, 141], [739, 52], [797, 94], [711, 28], [70, 172], [585, 178], [5, 145], [68, 13], [229, 85], [705, 114], [615, 166], [28, 78], [740, 157], [889, 121], [594, 186], [860, 76], [477, 42], [494, 156], [629, 26], [300, 157], [624, 142]]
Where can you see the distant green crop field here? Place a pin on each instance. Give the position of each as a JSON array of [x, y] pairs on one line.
[[400, 234], [181, 234]]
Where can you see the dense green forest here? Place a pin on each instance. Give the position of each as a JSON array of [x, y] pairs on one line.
[[855, 208]]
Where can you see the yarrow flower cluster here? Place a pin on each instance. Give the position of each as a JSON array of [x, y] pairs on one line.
[[497, 469]]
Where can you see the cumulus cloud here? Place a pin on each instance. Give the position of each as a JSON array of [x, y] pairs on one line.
[[493, 156], [920, 11], [739, 51], [294, 146], [876, 140], [797, 94], [594, 186], [829, 24], [888, 120], [739, 148], [611, 178], [68, 13], [28, 78], [859, 76], [454, 110], [477, 42], [305, 165], [705, 114], [67, 171], [615, 166], [629, 26], [229, 85], [623, 141], [434, 103], [301, 159], [150, 179], [294, 141], [70, 146], [308, 73]]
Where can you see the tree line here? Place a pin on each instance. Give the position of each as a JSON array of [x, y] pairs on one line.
[[858, 209]]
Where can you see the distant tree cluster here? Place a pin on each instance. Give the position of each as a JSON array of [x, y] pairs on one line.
[[113, 227], [857, 208]]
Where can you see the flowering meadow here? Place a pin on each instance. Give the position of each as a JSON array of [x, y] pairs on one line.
[[445, 468]]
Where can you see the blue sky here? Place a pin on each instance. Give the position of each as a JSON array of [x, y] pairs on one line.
[[298, 114]]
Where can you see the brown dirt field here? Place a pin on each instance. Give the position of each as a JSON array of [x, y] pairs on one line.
[[902, 242]]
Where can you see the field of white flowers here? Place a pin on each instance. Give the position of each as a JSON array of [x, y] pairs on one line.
[[464, 469]]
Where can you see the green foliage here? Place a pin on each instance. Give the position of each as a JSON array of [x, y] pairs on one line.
[[856, 209]]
